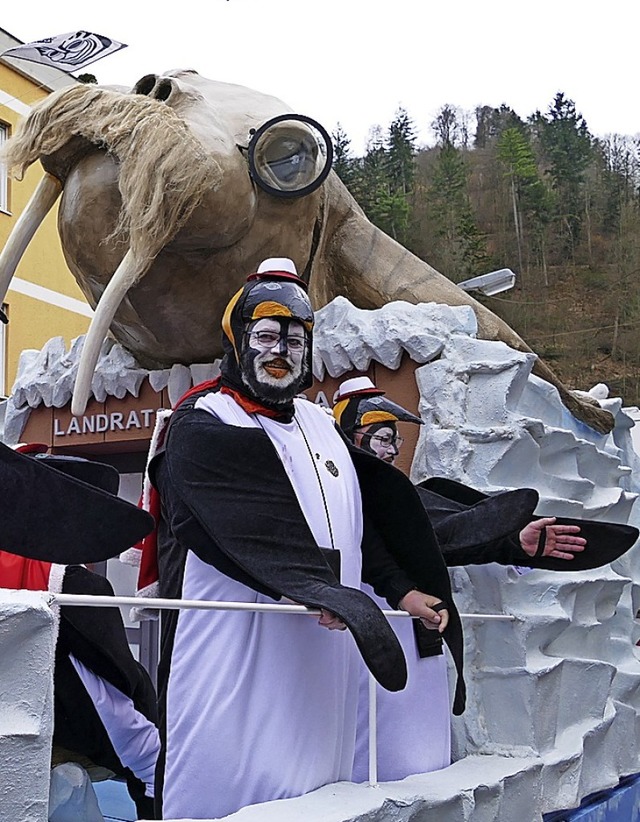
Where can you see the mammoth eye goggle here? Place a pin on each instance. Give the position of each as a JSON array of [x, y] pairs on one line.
[[289, 155]]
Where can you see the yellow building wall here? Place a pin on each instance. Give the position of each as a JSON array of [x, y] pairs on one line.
[[34, 320]]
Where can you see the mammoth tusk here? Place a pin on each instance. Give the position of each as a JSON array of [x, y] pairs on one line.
[[42, 201], [130, 270]]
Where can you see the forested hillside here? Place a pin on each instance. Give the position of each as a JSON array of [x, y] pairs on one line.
[[541, 196]]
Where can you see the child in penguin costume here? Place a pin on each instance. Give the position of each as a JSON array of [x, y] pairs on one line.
[[104, 702]]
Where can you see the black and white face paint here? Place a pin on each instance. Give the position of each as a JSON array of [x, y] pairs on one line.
[[273, 362], [381, 439]]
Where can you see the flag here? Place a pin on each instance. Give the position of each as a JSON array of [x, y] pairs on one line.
[[70, 52]]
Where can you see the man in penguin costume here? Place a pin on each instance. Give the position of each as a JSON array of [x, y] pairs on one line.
[[472, 528], [262, 499]]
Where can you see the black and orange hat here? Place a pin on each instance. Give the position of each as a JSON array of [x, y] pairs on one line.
[[274, 291], [358, 402]]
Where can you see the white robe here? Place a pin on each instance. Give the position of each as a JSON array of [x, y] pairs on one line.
[[263, 706], [135, 738], [413, 725]]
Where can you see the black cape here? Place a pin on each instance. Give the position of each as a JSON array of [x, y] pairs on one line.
[[474, 528], [227, 497], [204, 460], [65, 510]]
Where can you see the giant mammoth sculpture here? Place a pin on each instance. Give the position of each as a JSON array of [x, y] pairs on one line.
[[172, 192]]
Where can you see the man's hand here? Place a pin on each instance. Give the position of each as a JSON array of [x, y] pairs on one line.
[[327, 618], [331, 621], [561, 541], [422, 605]]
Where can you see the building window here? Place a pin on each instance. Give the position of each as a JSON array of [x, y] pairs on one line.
[[3, 352], [4, 177]]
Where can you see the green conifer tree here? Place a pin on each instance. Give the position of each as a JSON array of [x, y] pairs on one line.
[[343, 163], [567, 151], [529, 200], [461, 248]]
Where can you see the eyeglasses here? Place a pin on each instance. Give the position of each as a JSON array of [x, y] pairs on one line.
[[386, 440], [289, 155], [269, 339]]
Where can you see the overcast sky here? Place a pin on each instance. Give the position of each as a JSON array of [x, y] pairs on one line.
[[354, 62]]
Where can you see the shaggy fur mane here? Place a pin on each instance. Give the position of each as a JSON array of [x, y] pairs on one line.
[[164, 169]]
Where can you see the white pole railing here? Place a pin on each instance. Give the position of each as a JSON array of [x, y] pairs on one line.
[[373, 733], [263, 607], [158, 603]]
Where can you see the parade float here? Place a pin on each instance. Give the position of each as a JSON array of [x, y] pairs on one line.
[[171, 193]]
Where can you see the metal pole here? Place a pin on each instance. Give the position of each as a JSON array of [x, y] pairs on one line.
[[158, 603], [373, 734]]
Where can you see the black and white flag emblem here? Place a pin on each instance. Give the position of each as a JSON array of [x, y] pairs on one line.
[[71, 52]]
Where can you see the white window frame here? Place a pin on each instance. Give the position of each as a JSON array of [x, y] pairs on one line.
[[4, 176], [3, 353]]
